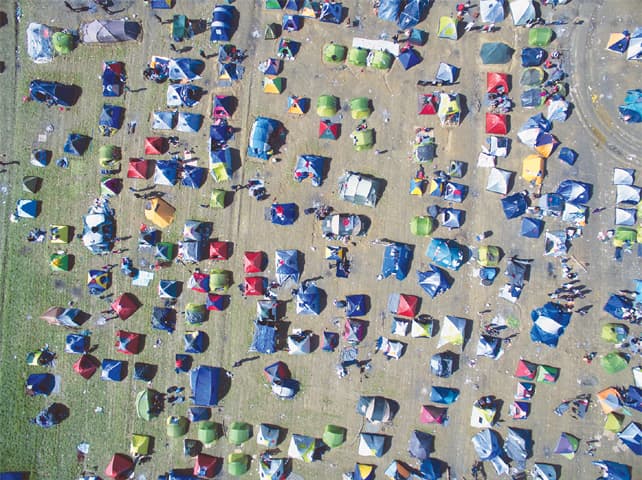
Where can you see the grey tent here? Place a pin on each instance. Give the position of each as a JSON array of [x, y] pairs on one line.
[[518, 445], [359, 189], [443, 364], [495, 53], [499, 181], [487, 444], [623, 176], [109, 31], [420, 445], [376, 409]]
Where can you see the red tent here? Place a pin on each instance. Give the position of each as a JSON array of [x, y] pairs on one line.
[[432, 414], [525, 370], [254, 285], [408, 306], [329, 130], [219, 250], [277, 371], [222, 107], [206, 465], [200, 282], [427, 104], [139, 168], [125, 305], [129, 343], [253, 262], [120, 467], [496, 82], [156, 145], [215, 302], [86, 366], [497, 123]]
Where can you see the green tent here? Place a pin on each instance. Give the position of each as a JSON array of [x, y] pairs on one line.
[[145, 403], [273, 4], [208, 432], [614, 422], [613, 362], [237, 464], [217, 199], [546, 374], [195, 313], [63, 42], [358, 56], [488, 256], [60, 233], [623, 235], [31, 184], [614, 332], [139, 444], [327, 106], [272, 31], [60, 262], [333, 53], [164, 252], [381, 60], [334, 436], [422, 226], [177, 426], [540, 36], [220, 280], [239, 433], [360, 108], [362, 139], [109, 156]]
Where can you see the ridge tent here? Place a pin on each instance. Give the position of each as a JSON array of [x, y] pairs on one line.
[[334, 436], [334, 53], [533, 56], [109, 31], [52, 93], [238, 463], [518, 445], [181, 28], [487, 445], [495, 53], [76, 144], [360, 108], [163, 319], [222, 23], [205, 383], [129, 343], [264, 338], [380, 59], [206, 466], [422, 226], [113, 78], [447, 28]]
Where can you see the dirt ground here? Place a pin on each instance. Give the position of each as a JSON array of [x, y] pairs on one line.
[[324, 397]]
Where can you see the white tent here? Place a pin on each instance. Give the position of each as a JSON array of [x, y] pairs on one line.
[[627, 194], [485, 160], [453, 331], [623, 176], [522, 11], [497, 146], [625, 216], [39, 43], [491, 11], [634, 51], [498, 180]]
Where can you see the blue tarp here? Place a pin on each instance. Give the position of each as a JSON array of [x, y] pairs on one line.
[[264, 339], [533, 57], [434, 281], [283, 213], [222, 19], [549, 323], [413, 12], [618, 305], [446, 253], [389, 10], [514, 205], [396, 260], [259, 144], [204, 382], [574, 191]]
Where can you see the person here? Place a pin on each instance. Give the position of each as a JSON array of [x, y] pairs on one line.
[[202, 53]]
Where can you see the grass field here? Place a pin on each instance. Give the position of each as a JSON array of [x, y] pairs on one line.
[[103, 413]]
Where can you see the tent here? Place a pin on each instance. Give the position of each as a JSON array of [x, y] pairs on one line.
[[356, 305], [195, 341], [544, 471], [540, 36], [308, 299], [434, 281], [327, 105], [176, 426], [444, 364], [403, 305], [449, 111], [113, 370], [359, 189], [531, 227], [358, 56], [634, 52], [310, 9], [549, 323], [76, 343], [334, 53], [412, 13], [409, 57], [522, 11], [432, 414], [334, 436], [546, 374], [162, 4], [487, 445], [629, 194], [514, 205], [110, 120], [292, 23], [446, 253], [631, 111], [495, 53], [185, 70], [129, 343], [625, 216], [41, 384], [86, 366], [52, 93], [260, 135], [298, 105], [239, 433], [532, 98], [267, 435], [389, 10], [120, 467], [302, 448], [299, 343], [76, 144], [125, 305], [63, 42], [453, 331], [113, 78], [447, 28], [287, 266], [567, 445], [427, 104], [422, 226], [238, 463], [497, 123], [283, 213], [497, 83], [329, 130], [482, 416], [109, 31], [396, 260], [206, 466], [205, 383], [159, 212], [195, 314], [420, 445], [40, 158], [39, 43], [331, 12], [613, 362], [574, 191], [533, 56], [491, 11], [360, 108], [518, 445], [222, 21], [631, 436], [66, 317], [499, 181], [180, 95], [273, 84], [163, 319], [60, 262], [610, 400], [371, 445], [189, 122], [489, 346], [376, 409], [613, 470]]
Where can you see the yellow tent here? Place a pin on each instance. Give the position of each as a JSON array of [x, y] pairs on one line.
[[139, 444], [159, 212], [614, 422], [533, 169], [272, 84]]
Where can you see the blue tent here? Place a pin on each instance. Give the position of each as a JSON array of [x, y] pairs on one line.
[[455, 192], [185, 69], [163, 319], [631, 436], [487, 444], [533, 56], [356, 305], [621, 43], [389, 10], [52, 93], [113, 370], [495, 53], [514, 205], [396, 260], [193, 177], [331, 12], [164, 120], [220, 133], [204, 382], [293, 5], [287, 266], [409, 58], [612, 470], [162, 4], [430, 469], [264, 338], [518, 446], [221, 157], [617, 306], [531, 227], [189, 122], [222, 21], [166, 172], [113, 79], [179, 95], [41, 383], [309, 166], [447, 73], [574, 191], [413, 12], [549, 323], [632, 398], [308, 299], [195, 341], [111, 119], [14, 476], [76, 144], [443, 395], [420, 444], [169, 288], [27, 208], [568, 155], [77, 343], [259, 144], [631, 111], [446, 253], [283, 213], [292, 23], [444, 364], [330, 341], [434, 281]]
